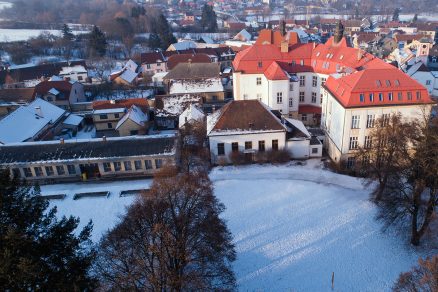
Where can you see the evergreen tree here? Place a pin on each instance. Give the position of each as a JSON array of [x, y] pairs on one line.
[[208, 19], [97, 42], [396, 15], [67, 33], [162, 30], [38, 251], [415, 19]]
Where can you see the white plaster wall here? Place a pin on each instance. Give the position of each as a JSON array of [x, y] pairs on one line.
[[298, 149], [423, 77]]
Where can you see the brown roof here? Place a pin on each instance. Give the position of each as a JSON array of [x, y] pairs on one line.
[[63, 87], [184, 58], [246, 115], [408, 37], [194, 71], [121, 103], [149, 58], [24, 95]]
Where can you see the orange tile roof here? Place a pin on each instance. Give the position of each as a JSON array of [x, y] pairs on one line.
[[274, 37], [275, 72], [380, 83]]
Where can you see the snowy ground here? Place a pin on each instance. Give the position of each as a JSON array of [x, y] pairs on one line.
[[292, 225]]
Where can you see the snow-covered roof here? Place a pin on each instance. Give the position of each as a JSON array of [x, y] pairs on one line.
[[299, 125], [191, 113], [134, 114], [128, 75], [184, 45], [243, 34], [73, 69], [196, 86], [27, 121], [55, 78], [131, 65], [53, 91], [109, 111], [73, 119], [175, 105]]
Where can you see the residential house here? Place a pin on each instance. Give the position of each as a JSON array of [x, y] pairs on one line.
[[192, 114], [169, 108], [196, 79], [39, 120], [107, 115], [128, 76], [77, 73], [60, 93], [95, 159], [13, 98], [424, 76]]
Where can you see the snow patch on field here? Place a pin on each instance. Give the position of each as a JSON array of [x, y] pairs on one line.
[[292, 226]]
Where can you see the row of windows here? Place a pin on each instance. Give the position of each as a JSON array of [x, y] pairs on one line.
[[105, 116], [248, 146], [390, 96], [355, 121], [368, 142], [71, 169]]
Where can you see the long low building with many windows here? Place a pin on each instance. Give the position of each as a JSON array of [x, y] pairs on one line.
[[106, 158]]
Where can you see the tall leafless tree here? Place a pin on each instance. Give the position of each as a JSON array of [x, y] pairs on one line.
[[172, 239], [423, 277]]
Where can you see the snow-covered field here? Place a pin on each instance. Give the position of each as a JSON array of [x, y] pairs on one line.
[[14, 35], [292, 225]]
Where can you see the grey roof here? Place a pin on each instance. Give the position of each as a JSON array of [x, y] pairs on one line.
[[87, 149], [194, 71]]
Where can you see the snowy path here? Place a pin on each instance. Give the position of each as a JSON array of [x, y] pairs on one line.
[[294, 226]]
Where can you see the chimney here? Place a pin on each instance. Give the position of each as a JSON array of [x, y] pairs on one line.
[[112, 101], [38, 111], [359, 54], [284, 47], [339, 33], [61, 140], [104, 138]]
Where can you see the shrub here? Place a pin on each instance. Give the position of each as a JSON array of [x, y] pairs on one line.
[[237, 158], [278, 156]]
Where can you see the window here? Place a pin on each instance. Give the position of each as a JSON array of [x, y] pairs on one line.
[[323, 80], [428, 82], [302, 80], [103, 117], [38, 171], [314, 81], [110, 125], [301, 96], [367, 142], [49, 171], [259, 80], [313, 97], [235, 146], [370, 121], [71, 169], [16, 172], [302, 62], [137, 164], [260, 64], [158, 64], [362, 97], [60, 169], [220, 149], [304, 117], [371, 97], [27, 172], [127, 165], [245, 96], [158, 163], [390, 96], [133, 132], [314, 150], [378, 83], [396, 82], [106, 167], [148, 66], [80, 79], [355, 121], [279, 97], [148, 164], [351, 161], [291, 87], [380, 96], [385, 119], [248, 145], [409, 95], [117, 166], [274, 144], [388, 83], [291, 102], [418, 93], [400, 96], [116, 116], [259, 96], [262, 145], [353, 143]]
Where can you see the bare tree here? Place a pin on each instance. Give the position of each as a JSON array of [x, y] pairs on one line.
[[423, 277], [384, 153], [195, 156], [171, 239]]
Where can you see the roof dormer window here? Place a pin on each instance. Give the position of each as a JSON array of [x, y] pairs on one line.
[[341, 57], [378, 83], [318, 53], [396, 82], [388, 83], [260, 64]]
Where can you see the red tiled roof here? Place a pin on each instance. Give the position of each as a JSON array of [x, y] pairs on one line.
[[121, 103], [62, 86], [347, 89], [275, 72], [309, 109], [184, 58], [274, 37]]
